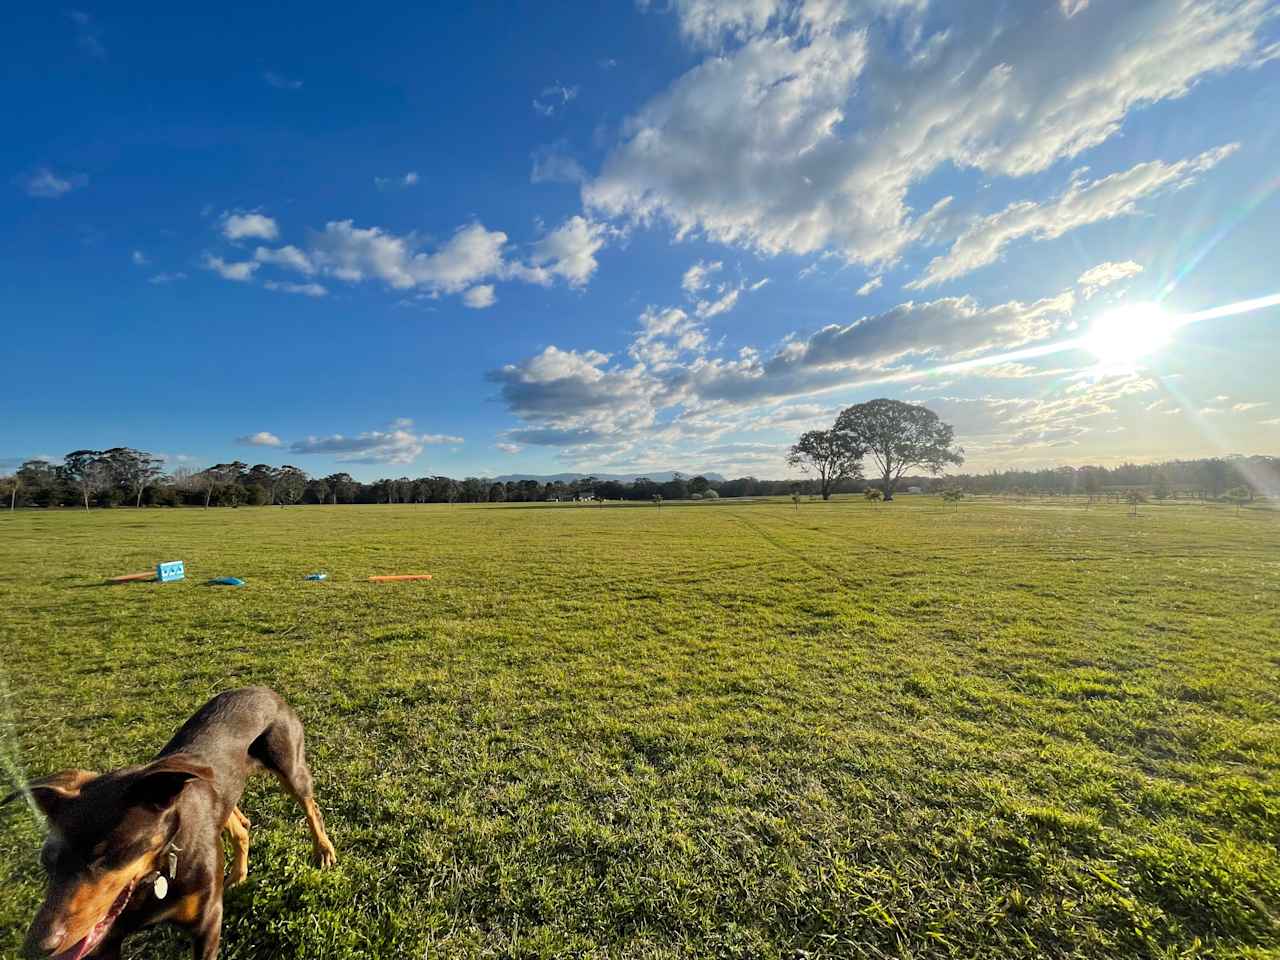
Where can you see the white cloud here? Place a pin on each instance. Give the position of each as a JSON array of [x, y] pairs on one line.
[[553, 163], [139, 258], [1084, 202], [396, 444], [1242, 407], [1105, 274], [695, 278], [871, 286], [47, 185], [512, 448], [674, 388], [710, 23], [469, 260], [808, 124], [281, 82], [569, 250], [305, 289], [240, 226], [554, 98], [402, 182], [477, 298], [722, 304], [241, 272], [161, 279], [262, 438], [289, 257], [352, 253]]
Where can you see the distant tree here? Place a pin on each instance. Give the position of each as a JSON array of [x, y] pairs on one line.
[[1160, 487], [291, 483], [832, 455], [264, 477], [657, 500], [497, 493], [318, 489], [699, 484], [1134, 498], [342, 487], [1215, 476], [133, 470], [953, 495], [900, 436], [710, 494], [1239, 496], [10, 485], [40, 482], [88, 472], [795, 498], [677, 488], [873, 494]]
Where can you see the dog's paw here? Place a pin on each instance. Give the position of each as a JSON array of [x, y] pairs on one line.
[[237, 874], [325, 856]]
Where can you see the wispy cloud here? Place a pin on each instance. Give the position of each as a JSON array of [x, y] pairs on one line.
[[402, 182], [554, 98], [394, 445], [241, 272], [304, 289], [1105, 274], [1082, 203], [280, 81], [88, 33], [47, 185]]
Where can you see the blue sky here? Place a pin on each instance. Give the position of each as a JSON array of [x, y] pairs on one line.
[[623, 238]]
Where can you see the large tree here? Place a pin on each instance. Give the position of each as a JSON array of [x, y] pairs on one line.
[[133, 470], [900, 437], [89, 472], [830, 455], [291, 483]]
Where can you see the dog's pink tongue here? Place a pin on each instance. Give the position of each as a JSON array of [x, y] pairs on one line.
[[76, 952]]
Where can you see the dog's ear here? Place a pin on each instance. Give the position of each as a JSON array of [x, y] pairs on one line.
[[159, 784], [51, 794]]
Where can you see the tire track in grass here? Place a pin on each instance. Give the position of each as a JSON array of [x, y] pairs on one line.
[[781, 546]]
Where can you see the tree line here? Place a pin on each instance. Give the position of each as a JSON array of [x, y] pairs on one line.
[[1210, 478], [123, 476]]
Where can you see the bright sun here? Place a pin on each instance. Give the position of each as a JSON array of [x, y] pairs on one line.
[[1123, 337]]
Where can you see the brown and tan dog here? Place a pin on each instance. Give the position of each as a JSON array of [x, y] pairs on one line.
[[141, 845]]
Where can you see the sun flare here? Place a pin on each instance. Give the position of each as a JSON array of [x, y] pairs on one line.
[[1124, 336]]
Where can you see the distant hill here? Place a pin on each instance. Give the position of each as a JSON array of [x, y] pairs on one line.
[[657, 476]]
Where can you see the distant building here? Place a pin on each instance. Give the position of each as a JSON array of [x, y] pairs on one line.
[[915, 489]]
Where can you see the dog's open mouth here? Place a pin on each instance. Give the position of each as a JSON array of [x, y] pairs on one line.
[[94, 937]]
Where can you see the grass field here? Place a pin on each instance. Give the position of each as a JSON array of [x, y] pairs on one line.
[[712, 730]]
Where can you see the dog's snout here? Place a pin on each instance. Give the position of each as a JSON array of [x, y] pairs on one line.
[[45, 941]]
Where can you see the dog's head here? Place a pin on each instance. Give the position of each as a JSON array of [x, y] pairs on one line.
[[105, 834]]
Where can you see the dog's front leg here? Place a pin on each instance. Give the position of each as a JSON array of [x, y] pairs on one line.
[[208, 935]]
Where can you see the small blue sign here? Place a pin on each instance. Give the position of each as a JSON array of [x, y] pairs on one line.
[[170, 571]]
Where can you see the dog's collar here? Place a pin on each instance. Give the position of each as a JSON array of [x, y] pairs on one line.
[[160, 879]]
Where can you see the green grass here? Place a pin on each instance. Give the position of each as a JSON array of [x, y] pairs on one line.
[[711, 730]]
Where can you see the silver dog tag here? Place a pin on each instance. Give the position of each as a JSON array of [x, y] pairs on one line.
[[161, 887]]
